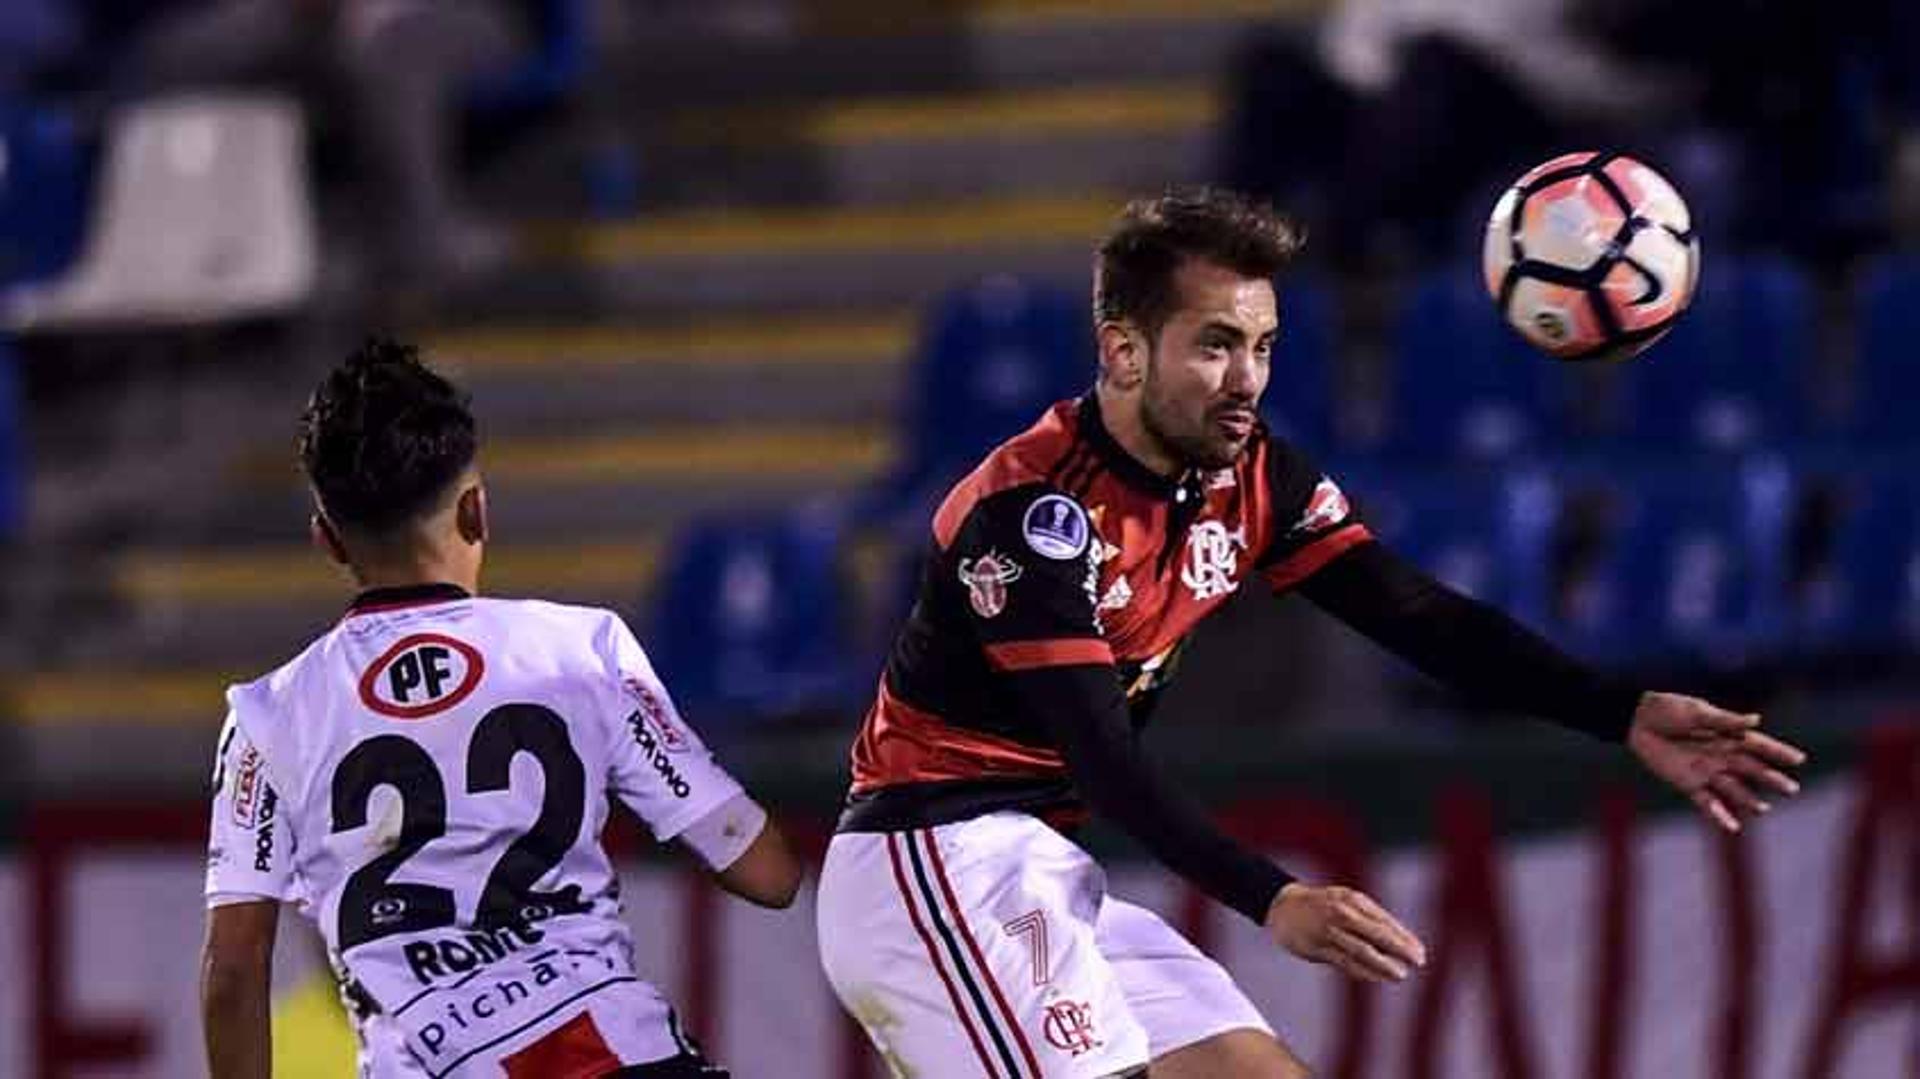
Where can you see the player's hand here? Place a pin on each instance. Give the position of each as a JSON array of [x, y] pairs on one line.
[[1718, 759], [1345, 930]]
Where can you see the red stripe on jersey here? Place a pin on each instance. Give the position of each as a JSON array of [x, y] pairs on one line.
[[1309, 560], [959, 919], [575, 1051], [933, 954], [1066, 652], [902, 744]]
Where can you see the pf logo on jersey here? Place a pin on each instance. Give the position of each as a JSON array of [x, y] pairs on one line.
[[420, 676]]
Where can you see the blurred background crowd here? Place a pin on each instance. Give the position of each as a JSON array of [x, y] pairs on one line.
[[741, 285]]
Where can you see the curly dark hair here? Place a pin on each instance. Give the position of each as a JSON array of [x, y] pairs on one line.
[[383, 437], [1136, 262]]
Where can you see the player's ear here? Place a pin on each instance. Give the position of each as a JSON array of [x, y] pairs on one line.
[[1123, 354], [326, 538], [470, 514]]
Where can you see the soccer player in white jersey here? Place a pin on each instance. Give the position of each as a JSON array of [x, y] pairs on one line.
[[428, 781]]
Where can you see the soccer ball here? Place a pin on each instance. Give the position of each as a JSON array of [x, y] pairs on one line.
[[1591, 256]]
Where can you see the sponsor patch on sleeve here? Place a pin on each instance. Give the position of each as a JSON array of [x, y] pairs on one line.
[[1325, 509], [247, 783], [656, 715]]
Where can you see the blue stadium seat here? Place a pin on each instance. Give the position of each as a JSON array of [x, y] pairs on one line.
[[1464, 385], [750, 620], [1866, 594], [45, 181], [1691, 569], [1484, 534], [1300, 404], [550, 70], [1887, 380], [1727, 378], [992, 356]]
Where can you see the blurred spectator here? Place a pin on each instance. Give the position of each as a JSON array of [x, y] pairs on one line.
[[1395, 111], [392, 69]]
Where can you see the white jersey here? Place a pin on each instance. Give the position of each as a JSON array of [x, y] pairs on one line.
[[428, 781]]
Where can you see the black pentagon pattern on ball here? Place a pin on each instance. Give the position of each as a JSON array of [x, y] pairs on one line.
[[1590, 279]]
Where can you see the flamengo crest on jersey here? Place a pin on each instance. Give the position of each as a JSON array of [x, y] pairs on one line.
[[428, 783], [1213, 556]]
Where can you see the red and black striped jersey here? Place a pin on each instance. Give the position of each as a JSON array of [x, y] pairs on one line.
[[1061, 549]]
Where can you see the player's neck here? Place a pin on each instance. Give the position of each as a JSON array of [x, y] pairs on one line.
[[412, 574], [1121, 416]]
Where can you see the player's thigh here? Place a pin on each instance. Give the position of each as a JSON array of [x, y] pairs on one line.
[[1198, 1022], [969, 949]]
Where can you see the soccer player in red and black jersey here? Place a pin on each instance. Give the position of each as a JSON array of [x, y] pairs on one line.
[[958, 922]]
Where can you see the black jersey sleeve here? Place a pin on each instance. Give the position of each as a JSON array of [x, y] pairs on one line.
[[1086, 713], [1022, 564], [1313, 523], [1474, 648]]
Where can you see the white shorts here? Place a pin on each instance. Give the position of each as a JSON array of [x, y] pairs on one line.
[[989, 947]]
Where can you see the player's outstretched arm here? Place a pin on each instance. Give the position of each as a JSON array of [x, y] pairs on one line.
[[236, 971], [1718, 759]]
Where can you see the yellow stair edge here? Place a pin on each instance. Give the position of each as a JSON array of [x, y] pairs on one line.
[[1037, 113], [869, 339], [933, 226], [137, 698]]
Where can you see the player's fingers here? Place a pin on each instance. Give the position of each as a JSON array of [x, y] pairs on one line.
[[1363, 957], [1403, 944], [1734, 793], [1751, 768], [1773, 750], [1721, 721], [1711, 806]]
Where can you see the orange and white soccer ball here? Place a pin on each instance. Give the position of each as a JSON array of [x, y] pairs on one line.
[[1591, 256]]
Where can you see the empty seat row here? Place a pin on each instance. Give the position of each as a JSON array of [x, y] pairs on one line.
[[1705, 567]]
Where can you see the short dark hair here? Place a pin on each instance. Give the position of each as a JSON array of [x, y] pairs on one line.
[[384, 437], [1134, 269]]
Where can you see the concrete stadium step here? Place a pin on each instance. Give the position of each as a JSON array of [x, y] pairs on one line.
[[1135, 136], [705, 262], [772, 369], [546, 488], [868, 49], [252, 607], [200, 615]]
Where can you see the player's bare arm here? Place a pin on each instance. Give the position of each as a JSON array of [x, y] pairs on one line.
[[747, 853], [235, 989]]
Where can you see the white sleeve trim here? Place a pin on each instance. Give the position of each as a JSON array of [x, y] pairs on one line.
[[722, 835]]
